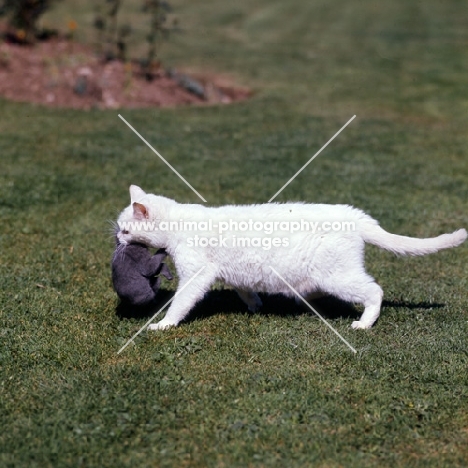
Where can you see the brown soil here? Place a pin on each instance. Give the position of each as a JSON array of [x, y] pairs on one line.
[[60, 73]]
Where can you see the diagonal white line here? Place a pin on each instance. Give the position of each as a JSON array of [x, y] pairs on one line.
[[162, 159], [313, 310], [311, 159], [160, 310]]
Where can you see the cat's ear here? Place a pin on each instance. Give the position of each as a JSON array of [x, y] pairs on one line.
[[136, 193], [139, 211]]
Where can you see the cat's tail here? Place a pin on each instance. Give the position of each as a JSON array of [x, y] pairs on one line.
[[402, 245]]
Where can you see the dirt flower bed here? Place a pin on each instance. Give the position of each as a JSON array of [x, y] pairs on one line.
[[66, 74]]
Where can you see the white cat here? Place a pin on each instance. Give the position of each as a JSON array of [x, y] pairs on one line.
[[315, 248]]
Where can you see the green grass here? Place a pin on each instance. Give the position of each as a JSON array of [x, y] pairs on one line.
[[229, 388]]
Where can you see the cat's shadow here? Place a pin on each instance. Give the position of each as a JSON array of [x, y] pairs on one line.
[[227, 301]]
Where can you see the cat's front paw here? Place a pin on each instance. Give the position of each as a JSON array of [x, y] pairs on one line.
[[162, 325], [357, 325]]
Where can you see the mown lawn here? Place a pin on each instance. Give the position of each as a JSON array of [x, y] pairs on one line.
[[229, 388]]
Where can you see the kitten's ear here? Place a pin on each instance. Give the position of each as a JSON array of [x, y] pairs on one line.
[[136, 193], [140, 211]]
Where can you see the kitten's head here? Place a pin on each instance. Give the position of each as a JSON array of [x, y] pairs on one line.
[[138, 222]]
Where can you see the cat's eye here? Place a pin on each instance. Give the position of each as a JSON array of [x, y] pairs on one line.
[[124, 232]]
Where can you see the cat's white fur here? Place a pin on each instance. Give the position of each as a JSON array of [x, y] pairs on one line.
[[313, 262]]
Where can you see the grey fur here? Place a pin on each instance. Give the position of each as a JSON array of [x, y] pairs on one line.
[[134, 272]]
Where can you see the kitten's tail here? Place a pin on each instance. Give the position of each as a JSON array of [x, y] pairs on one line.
[[402, 245]]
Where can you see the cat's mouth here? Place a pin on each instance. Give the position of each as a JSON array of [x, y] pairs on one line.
[[120, 237]]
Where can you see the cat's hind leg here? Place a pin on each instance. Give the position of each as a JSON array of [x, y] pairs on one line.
[[359, 287], [372, 304], [253, 301]]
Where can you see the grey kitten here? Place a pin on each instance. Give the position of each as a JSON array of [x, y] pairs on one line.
[[134, 272]]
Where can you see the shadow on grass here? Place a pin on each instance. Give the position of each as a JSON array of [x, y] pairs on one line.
[[228, 302], [413, 305]]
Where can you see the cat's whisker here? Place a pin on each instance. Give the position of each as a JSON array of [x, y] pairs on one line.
[[120, 251], [113, 229]]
